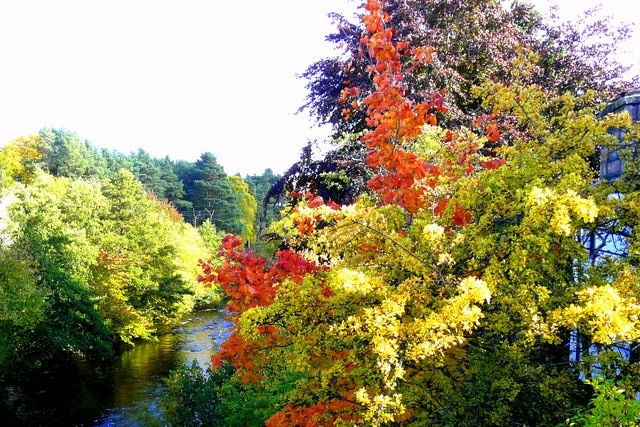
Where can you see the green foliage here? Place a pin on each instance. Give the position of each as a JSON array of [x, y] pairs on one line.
[[614, 404], [59, 254], [211, 195], [65, 154], [147, 241], [157, 176], [192, 396], [195, 396], [110, 263], [22, 307], [248, 208]]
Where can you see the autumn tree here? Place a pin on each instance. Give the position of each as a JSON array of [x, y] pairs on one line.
[[447, 296], [19, 160], [473, 42]]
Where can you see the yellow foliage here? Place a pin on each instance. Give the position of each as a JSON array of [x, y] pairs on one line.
[[546, 206], [603, 312]]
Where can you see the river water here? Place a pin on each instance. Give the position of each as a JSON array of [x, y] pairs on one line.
[[116, 392]]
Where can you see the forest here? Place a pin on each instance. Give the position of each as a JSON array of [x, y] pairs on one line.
[[100, 249], [457, 258]]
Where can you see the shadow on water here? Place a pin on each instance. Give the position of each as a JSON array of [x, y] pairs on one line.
[[106, 393]]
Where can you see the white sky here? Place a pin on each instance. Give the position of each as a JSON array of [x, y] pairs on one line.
[[173, 77]]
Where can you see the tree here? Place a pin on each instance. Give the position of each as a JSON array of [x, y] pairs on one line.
[[58, 253], [19, 160], [141, 242], [111, 262], [157, 176], [471, 42], [259, 186], [22, 307], [65, 154], [449, 294], [247, 206], [209, 191]]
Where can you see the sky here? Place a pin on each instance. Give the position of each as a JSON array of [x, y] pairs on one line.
[[176, 78]]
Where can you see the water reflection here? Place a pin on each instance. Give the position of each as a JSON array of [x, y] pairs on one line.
[[102, 394]]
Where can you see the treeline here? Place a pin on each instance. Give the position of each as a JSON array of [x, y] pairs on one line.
[[101, 248], [199, 191]]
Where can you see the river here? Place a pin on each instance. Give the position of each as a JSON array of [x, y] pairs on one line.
[[111, 393]]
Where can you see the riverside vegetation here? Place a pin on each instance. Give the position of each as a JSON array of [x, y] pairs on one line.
[[432, 269]]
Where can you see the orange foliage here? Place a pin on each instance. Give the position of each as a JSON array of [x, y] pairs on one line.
[[319, 414], [404, 179], [249, 282]]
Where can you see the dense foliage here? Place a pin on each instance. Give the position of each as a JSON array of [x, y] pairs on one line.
[[460, 291], [95, 248], [473, 42]]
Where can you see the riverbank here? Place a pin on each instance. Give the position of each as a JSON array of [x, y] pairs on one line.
[[104, 393]]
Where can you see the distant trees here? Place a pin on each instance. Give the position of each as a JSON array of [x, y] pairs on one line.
[[211, 196], [157, 176], [88, 264], [199, 190], [65, 154], [100, 247]]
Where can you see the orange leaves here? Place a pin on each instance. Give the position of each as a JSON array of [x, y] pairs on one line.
[[319, 414], [422, 55], [490, 128], [393, 118], [493, 163], [247, 279], [492, 132]]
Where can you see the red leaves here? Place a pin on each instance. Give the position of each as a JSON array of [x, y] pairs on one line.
[[247, 279], [459, 216], [493, 163], [493, 134], [319, 414]]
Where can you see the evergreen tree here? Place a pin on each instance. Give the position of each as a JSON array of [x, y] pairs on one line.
[[211, 196], [65, 154]]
